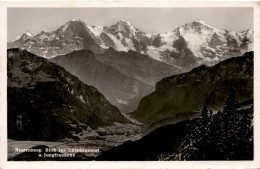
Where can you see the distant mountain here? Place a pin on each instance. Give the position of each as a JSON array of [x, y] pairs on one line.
[[123, 77], [45, 102], [198, 43], [74, 35], [188, 46], [180, 97]]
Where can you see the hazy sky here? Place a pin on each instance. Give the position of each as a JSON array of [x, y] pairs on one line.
[[148, 20]]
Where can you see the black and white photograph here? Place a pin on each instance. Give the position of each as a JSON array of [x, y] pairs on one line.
[[130, 84]]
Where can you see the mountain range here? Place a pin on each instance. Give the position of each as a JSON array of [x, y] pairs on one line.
[[124, 63], [187, 46]]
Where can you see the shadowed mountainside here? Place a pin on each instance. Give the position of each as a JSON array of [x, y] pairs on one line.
[[180, 97], [45, 102]]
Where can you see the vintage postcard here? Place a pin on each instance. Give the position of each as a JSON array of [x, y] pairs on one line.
[[129, 85]]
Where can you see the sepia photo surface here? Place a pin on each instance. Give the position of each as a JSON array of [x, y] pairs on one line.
[[129, 83]]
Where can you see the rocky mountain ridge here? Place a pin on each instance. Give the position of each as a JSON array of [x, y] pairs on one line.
[[188, 46]]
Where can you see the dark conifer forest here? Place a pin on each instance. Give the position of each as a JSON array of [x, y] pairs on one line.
[[226, 135]]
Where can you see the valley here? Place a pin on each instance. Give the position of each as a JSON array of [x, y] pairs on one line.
[[101, 139]]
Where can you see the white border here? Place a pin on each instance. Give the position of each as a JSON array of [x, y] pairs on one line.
[[129, 165]]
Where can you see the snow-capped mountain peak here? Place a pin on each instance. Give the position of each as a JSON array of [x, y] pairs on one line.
[[189, 45], [196, 27], [73, 21], [26, 35], [124, 27], [206, 24], [122, 21]]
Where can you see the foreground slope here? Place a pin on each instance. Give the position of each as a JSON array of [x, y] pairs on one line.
[[180, 97], [167, 142], [45, 102]]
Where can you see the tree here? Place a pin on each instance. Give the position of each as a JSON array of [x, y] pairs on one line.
[[215, 139], [230, 106], [189, 145], [245, 136], [229, 117], [206, 139]]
